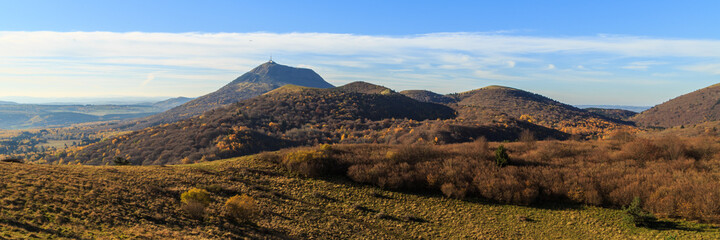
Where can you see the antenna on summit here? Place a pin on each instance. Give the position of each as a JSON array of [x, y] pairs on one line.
[[271, 61]]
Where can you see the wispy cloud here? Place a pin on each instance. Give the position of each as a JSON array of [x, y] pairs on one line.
[[150, 77], [709, 68], [642, 65], [196, 63]]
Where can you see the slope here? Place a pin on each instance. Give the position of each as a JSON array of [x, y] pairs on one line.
[[143, 202], [498, 102], [261, 79], [285, 117], [693, 108], [427, 96], [619, 114]]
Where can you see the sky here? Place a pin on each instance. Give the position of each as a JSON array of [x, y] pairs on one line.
[[577, 52]]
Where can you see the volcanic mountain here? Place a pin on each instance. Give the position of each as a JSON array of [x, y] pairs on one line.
[[498, 102], [696, 107], [259, 80]]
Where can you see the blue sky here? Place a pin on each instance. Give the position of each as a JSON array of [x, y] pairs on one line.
[[604, 52]]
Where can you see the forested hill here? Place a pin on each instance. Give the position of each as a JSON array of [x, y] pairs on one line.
[[299, 116], [427, 96], [257, 81], [493, 101], [700, 106]]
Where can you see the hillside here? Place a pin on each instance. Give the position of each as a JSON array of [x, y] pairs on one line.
[[86, 202], [495, 102], [619, 114], [693, 108], [365, 87], [261, 79], [171, 103], [427, 96], [289, 116], [7, 103]]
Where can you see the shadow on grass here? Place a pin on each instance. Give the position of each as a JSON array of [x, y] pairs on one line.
[[32, 228], [670, 225]]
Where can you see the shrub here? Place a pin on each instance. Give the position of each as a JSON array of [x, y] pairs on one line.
[[501, 156], [121, 161], [194, 202], [196, 195], [634, 214], [311, 163], [194, 209], [241, 208], [450, 190], [527, 136]]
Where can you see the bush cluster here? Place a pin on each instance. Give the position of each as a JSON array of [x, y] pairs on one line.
[[673, 177], [311, 163], [241, 208]]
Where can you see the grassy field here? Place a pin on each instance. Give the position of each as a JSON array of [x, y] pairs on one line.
[[84, 202]]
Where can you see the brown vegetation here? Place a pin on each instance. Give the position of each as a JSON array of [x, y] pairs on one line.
[[692, 108], [673, 176], [497, 102]]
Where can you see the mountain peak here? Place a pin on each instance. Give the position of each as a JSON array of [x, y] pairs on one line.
[[273, 73], [261, 79]]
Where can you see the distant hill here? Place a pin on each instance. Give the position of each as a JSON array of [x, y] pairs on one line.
[[427, 96], [619, 114], [259, 80], [24, 116], [7, 103], [495, 102], [636, 109], [702, 105], [287, 116], [171, 103], [364, 87]]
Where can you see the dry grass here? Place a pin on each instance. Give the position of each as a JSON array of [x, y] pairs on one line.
[[83, 202]]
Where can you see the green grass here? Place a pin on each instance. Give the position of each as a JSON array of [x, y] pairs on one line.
[[49, 201]]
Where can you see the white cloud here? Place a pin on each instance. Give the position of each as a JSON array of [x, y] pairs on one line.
[[196, 63], [712, 68], [150, 77], [642, 65], [491, 75]]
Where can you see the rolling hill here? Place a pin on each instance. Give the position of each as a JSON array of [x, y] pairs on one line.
[[700, 106], [261, 79], [498, 102], [619, 114], [25, 116], [427, 96], [171, 103], [288, 116]]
